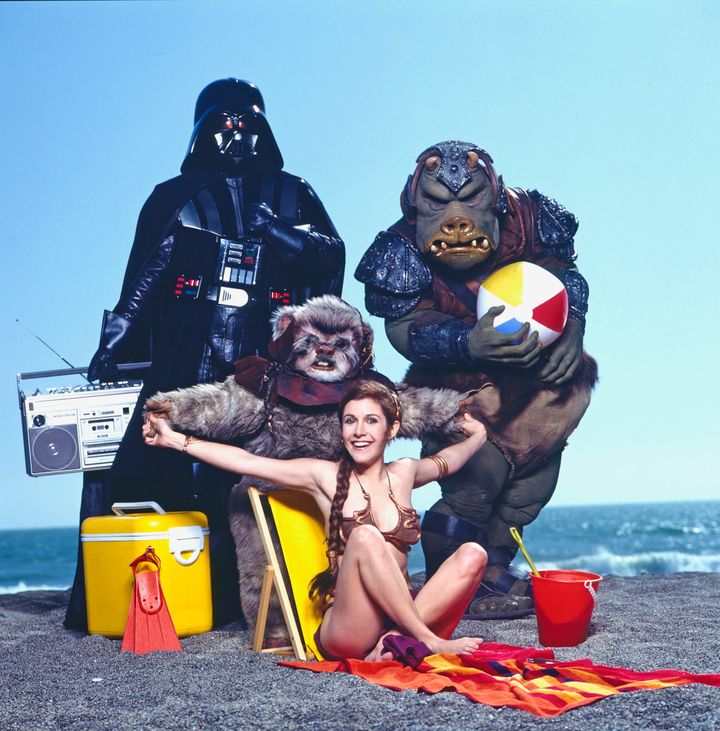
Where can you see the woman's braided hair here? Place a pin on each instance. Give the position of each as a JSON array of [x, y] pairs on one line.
[[322, 587]]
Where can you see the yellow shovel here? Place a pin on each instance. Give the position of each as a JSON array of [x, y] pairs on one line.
[[515, 533]]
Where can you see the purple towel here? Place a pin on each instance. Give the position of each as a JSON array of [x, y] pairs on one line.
[[406, 649]]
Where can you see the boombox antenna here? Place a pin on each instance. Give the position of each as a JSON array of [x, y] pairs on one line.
[[49, 347]]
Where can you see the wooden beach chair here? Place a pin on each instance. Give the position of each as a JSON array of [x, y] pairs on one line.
[[300, 528]]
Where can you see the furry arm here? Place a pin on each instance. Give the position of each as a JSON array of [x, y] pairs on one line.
[[218, 410], [426, 410]]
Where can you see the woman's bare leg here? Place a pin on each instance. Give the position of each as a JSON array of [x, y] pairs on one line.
[[441, 603], [371, 588]]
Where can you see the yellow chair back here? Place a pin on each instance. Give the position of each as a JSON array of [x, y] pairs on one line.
[[300, 528]]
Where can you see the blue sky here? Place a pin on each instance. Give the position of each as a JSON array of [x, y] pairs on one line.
[[610, 107]]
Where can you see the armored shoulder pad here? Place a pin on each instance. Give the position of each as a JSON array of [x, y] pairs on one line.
[[394, 276], [555, 226], [393, 265]]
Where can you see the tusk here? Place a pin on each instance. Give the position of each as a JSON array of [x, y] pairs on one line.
[[432, 163]]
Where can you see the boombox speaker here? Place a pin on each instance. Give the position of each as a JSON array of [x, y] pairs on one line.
[[53, 449]]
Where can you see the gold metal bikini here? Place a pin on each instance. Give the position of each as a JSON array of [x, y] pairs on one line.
[[405, 533]]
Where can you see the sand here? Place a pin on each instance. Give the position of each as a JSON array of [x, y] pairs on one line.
[[56, 678]]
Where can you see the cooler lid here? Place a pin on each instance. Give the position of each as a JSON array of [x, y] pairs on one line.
[[131, 519]]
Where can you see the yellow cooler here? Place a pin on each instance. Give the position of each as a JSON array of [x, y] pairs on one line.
[[181, 541]]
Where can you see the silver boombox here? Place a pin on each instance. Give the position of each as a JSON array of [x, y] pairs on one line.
[[77, 428]]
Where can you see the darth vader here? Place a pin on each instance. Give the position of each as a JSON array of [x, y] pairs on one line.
[[217, 249]]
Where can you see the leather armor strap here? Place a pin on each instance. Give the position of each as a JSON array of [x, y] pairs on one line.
[[451, 526], [289, 198], [267, 188], [504, 583], [287, 205], [440, 342]]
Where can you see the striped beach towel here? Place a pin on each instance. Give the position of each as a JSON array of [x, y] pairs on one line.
[[503, 675]]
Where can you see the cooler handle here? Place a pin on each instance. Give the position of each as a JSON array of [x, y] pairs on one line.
[[141, 507], [188, 538]]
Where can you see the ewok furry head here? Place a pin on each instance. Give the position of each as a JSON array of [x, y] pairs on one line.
[[325, 338]]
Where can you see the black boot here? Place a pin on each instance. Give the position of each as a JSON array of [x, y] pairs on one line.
[[505, 591]]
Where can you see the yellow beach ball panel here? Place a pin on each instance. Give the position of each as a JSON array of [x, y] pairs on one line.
[[529, 293]]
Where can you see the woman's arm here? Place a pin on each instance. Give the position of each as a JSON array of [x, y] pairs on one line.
[[450, 459], [298, 474]]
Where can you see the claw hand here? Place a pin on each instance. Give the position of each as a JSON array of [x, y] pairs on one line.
[[513, 349]]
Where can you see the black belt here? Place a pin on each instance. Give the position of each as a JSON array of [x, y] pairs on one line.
[[191, 288]]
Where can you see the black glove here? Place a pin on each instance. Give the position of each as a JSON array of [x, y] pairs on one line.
[[259, 217], [287, 240], [103, 366]]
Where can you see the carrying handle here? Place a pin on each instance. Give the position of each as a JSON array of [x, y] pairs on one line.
[[589, 586], [188, 539], [139, 507], [78, 371], [187, 560]]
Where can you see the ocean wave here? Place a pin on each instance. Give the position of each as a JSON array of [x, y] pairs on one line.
[[666, 528], [22, 586], [606, 562]]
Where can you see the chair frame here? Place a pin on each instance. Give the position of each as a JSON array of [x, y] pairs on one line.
[[274, 577]]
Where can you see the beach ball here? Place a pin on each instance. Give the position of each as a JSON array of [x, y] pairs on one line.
[[530, 294]]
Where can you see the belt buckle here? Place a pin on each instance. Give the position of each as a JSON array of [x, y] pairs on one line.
[[232, 297]]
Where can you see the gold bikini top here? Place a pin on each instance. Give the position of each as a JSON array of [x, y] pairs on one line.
[[405, 533]]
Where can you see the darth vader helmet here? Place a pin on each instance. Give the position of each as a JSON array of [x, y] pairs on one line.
[[231, 132]]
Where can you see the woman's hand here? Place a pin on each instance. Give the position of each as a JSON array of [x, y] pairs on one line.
[[157, 432], [452, 458], [471, 426]]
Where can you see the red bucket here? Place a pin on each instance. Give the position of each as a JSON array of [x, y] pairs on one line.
[[564, 603]]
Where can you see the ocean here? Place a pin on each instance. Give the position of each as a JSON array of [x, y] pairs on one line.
[[625, 540]]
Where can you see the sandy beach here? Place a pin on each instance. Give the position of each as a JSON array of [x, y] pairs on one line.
[[56, 678]]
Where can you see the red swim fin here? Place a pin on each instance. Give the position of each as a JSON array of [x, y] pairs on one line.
[[149, 625]]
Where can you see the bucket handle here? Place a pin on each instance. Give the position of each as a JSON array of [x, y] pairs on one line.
[[589, 586]]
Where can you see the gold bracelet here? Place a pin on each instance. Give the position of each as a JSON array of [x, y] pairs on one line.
[[442, 465], [189, 439]]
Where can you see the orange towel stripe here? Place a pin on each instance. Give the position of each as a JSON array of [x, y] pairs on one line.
[[503, 675]]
